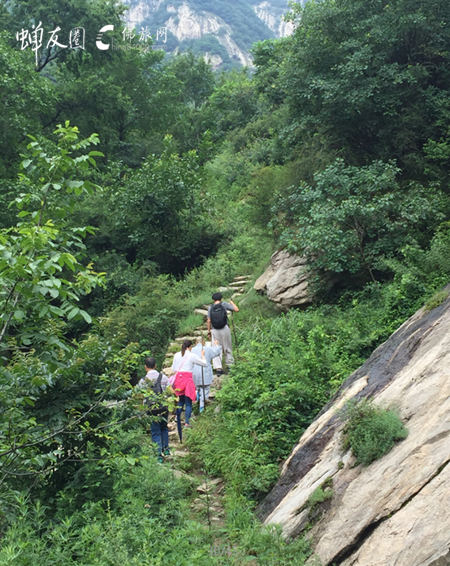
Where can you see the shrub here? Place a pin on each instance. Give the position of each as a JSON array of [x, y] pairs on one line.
[[371, 431], [319, 495], [436, 300]]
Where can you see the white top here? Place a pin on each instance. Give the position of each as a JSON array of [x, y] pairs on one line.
[[187, 363], [152, 376], [210, 353]]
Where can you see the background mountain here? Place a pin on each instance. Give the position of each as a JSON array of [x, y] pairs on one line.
[[224, 30]]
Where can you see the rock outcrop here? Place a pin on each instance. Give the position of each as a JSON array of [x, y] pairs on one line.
[[186, 24], [214, 60], [285, 281], [273, 18], [140, 11], [188, 21], [395, 511]]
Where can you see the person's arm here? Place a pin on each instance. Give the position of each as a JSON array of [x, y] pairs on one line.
[[175, 363], [199, 361], [165, 385], [234, 305], [208, 324], [215, 350]]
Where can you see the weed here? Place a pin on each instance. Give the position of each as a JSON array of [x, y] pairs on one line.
[[371, 431], [436, 300], [318, 496]]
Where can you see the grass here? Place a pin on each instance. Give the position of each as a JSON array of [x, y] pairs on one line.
[[189, 324], [371, 431], [436, 300], [319, 496]]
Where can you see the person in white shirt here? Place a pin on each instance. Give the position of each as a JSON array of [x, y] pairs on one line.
[[183, 364], [158, 382], [203, 377], [219, 330]]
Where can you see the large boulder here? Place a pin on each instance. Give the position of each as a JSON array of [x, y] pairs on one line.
[[285, 281], [396, 510]]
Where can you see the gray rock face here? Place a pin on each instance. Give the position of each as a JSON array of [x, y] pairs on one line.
[[395, 511], [285, 281]]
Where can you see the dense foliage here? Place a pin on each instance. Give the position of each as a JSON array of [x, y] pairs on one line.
[[335, 146], [353, 216], [371, 431]]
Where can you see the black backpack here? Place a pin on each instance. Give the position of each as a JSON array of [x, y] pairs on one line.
[[218, 316], [155, 407]]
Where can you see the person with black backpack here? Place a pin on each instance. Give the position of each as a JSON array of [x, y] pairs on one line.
[[158, 382], [219, 330]]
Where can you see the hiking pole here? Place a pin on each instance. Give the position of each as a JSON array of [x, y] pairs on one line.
[[203, 380], [179, 427], [234, 334]]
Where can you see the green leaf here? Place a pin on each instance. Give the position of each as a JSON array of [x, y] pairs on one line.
[[73, 313], [86, 316], [54, 293]]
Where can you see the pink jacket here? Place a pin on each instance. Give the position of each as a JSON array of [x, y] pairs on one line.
[[184, 385]]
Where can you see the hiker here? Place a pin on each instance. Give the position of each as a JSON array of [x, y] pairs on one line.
[[219, 330], [203, 377], [183, 384], [159, 383]]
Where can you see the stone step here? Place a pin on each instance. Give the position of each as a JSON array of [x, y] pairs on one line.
[[240, 283], [183, 338], [203, 312], [241, 277], [209, 485], [180, 453]]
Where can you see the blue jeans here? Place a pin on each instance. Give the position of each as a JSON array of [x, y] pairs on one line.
[[184, 400], [160, 432]]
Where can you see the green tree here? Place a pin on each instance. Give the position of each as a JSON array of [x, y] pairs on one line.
[[353, 216], [41, 271], [161, 212], [25, 96], [190, 82], [117, 98], [372, 76], [233, 103]]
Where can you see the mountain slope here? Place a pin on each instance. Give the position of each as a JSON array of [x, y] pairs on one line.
[[223, 30]]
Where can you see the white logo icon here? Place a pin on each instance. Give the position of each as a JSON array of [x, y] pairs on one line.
[[99, 43]]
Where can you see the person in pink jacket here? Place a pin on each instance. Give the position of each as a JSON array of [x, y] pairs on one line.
[[183, 384]]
